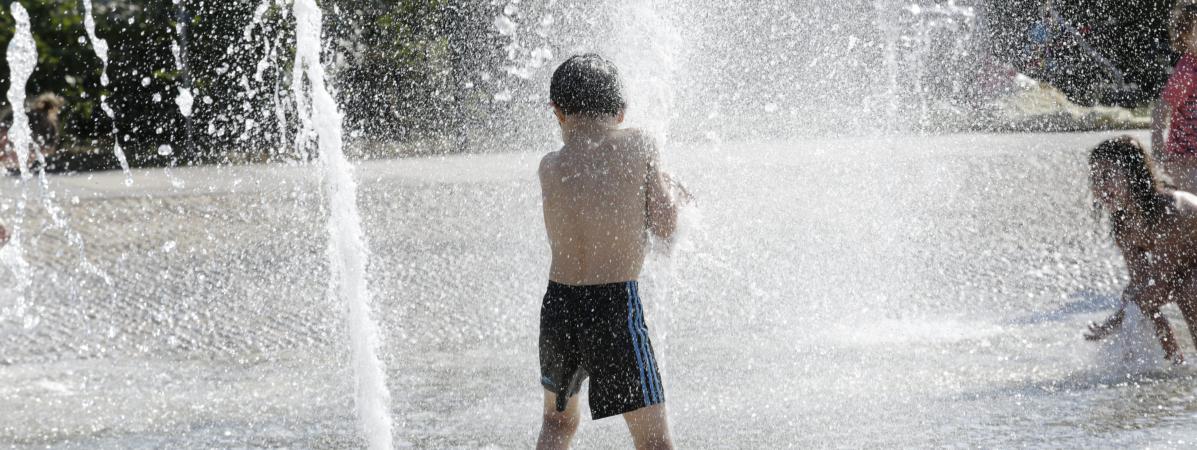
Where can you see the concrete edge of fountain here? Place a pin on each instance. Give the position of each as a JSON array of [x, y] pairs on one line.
[[268, 178], [467, 168]]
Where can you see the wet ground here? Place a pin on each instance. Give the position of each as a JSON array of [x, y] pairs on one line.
[[909, 292]]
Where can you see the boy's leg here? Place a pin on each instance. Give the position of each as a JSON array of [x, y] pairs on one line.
[[558, 427], [649, 428]]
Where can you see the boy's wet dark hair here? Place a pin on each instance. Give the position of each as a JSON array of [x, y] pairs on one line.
[[588, 85]]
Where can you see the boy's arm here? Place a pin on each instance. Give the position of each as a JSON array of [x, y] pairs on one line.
[[661, 208], [543, 173], [3, 236]]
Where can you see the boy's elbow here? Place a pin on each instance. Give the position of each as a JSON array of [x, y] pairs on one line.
[[662, 231], [664, 225]]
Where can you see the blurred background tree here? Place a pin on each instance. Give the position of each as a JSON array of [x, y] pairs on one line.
[[403, 71]]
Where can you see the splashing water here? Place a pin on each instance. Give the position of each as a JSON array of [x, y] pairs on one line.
[[646, 46], [22, 58], [347, 246], [1134, 349], [185, 100], [100, 46]]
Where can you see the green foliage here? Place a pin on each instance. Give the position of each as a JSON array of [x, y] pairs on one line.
[[403, 70]]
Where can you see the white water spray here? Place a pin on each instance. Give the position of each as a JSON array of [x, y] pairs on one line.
[[101, 48], [22, 58], [347, 247], [1134, 348], [647, 47], [185, 100]]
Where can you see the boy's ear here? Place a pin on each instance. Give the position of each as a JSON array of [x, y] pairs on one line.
[[557, 112], [619, 117]]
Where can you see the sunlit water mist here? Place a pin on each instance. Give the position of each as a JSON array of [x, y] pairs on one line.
[[763, 69], [347, 249]]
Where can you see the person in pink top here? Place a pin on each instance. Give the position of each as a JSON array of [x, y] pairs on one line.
[[1176, 113]]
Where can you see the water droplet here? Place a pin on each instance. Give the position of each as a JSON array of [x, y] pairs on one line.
[[145, 81], [165, 149], [169, 246], [505, 25]]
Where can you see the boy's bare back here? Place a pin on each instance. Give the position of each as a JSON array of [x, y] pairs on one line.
[[602, 194]]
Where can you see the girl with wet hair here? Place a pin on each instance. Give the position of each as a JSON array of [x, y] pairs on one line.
[[1154, 226], [1176, 112]]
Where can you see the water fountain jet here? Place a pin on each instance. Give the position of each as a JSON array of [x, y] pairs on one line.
[[347, 249]]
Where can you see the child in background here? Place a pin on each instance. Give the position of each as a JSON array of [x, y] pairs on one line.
[[1176, 111], [43, 112], [1153, 226]]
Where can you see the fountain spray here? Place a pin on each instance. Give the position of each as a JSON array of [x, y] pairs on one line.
[[347, 246], [22, 58], [100, 46]]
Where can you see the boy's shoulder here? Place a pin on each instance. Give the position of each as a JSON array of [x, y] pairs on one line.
[[548, 162], [636, 136], [637, 141]]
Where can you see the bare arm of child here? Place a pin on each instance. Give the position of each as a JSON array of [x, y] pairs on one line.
[[1150, 297], [1137, 264], [661, 207]]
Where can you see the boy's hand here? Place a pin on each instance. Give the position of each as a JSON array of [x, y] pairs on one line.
[[683, 195], [3, 236]]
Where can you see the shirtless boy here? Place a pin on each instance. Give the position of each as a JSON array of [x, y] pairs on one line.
[[1154, 226], [603, 193]]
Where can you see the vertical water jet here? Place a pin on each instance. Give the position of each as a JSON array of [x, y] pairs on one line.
[[347, 249], [100, 46]]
